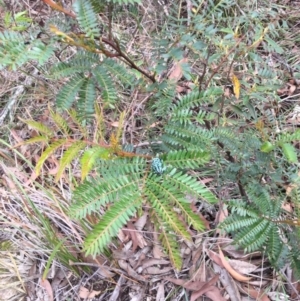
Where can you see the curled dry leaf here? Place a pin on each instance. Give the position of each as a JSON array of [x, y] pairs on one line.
[[228, 283], [84, 293], [176, 72], [215, 294], [157, 271], [150, 262], [255, 294], [208, 286], [243, 267], [131, 273], [230, 270], [160, 295], [115, 124], [48, 288], [186, 283], [215, 258]]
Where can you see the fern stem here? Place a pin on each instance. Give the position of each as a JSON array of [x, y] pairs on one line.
[[120, 153], [216, 70], [117, 47]]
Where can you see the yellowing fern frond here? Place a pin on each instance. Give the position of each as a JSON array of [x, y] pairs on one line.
[[68, 156], [60, 122], [48, 152], [40, 127], [89, 158]]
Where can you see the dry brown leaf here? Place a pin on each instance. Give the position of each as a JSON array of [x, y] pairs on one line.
[[227, 92], [215, 258], [205, 288], [206, 180], [256, 294], [115, 124], [16, 137], [150, 262], [157, 250], [131, 231], [48, 288], [157, 271], [84, 293], [141, 222], [292, 89], [221, 216], [215, 294], [231, 271], [58, 7], [243, 267], [30, 285], [287, 207], [180, 89], [228, 283], [93, 294], [176, 72], [186, 283], [198, 274], [160, 295], [240, 254], [202, 218], [131, 273], [153, 125]]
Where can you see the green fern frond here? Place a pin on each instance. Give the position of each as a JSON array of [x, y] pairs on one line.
[[89, 158], [87, 18], [111, 223], [106, 84], [252, 238], [80, 63], [169, 241], [65, 69], [242, 209], [67, 94], [40, 52], [98, 6], [190, 185], [13, 50], [172, 143], [122, 166], [16, 51], [69, 155], [93, 194], [86, 99], [274, 245], [290, 152], [188, 136], [289, 137], [186, 159], [48, 152], [194, 99], [234, 223], [119, 71], [156, 195]]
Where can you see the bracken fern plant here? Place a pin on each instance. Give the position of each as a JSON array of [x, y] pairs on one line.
[[225, 60]]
